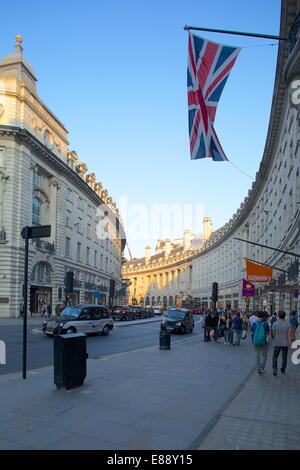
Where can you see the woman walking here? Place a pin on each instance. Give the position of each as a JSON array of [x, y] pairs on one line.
[[228, 332], [221, 326]]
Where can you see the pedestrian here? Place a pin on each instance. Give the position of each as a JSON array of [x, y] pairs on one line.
[[49, 310], [208, 324], [281, 333], [237, 329], [260, 332], [21, 310], [215, 322], [294, 325], [253, 318], [228, 332], [245, 325], [221, 326]]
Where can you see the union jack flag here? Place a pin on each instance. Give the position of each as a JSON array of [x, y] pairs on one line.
[[209, 65]]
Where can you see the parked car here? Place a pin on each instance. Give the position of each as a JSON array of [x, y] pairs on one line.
[[178, 321], [86, 319], [149, 311], [123, 313], [138, 311]]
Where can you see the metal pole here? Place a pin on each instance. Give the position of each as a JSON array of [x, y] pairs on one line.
[[266, 246], [239, 33], [25, 304]]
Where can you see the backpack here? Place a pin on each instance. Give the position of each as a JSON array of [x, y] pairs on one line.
[[259, 337]]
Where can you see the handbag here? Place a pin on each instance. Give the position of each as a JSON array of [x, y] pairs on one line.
[[212, 334]]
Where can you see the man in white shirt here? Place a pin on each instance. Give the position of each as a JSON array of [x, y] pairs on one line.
[[252, 319]]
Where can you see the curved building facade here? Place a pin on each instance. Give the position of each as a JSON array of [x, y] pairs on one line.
[[270, 213], [43, 183]]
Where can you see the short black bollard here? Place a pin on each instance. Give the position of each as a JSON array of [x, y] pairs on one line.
[[69, 360], [164, 339]]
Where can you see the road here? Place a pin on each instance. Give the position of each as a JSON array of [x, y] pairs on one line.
[[138, 335]]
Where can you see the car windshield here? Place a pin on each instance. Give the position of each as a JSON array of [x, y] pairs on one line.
[[70, 312], [176, 314]]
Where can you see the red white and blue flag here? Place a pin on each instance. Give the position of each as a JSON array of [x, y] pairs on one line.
[[209, 65]]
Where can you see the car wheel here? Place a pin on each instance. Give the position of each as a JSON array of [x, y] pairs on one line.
[[105, 330], [70, 331]]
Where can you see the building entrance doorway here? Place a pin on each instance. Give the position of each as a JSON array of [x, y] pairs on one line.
[[40, 297]]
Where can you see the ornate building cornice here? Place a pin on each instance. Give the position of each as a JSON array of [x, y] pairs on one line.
[[24, 136]]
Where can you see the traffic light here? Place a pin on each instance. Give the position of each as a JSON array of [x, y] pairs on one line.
[[69, 281], [214, 296]]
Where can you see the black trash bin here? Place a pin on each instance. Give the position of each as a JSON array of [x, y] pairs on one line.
[[164, 339], [70, 360]]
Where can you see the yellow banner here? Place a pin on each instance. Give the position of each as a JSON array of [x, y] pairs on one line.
[[257, 272]]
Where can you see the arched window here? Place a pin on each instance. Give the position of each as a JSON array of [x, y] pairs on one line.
[[171, 302], [147, 301], [165, 301], [153, 301], [36, 211], [41, 273]]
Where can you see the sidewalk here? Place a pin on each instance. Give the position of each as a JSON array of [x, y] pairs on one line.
[[194, 396], [264, 415]]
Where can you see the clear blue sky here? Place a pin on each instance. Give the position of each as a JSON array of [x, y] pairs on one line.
[[115, 74]]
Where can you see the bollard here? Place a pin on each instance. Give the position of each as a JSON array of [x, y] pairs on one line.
[[164, 339]]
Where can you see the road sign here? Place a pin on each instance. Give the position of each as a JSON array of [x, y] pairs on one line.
[[96, 294], [40, 231]]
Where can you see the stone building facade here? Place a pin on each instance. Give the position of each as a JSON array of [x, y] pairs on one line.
[[42, 182], [164, 278]]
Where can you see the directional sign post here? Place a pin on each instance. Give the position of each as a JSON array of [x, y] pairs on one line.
[[39, 231]]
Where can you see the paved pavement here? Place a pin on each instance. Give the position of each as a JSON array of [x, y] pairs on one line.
[[194, 396]]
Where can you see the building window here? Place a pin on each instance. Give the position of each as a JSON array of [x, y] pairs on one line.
[[87, 255], [78, 224], [95, 259], [2, 164], [78, 251], [88, 230], [101, 261], [36, 211], [68, 218], [79, 203], [106, 261], [69, 194], [67, 251]]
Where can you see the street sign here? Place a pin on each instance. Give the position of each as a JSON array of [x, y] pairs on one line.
[[96, 294], [39, 231]]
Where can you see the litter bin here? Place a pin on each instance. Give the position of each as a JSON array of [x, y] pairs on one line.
[[164, 339], [70, 360]]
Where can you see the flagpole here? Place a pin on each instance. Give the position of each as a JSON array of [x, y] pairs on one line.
[[240, 33], [266, 246]]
